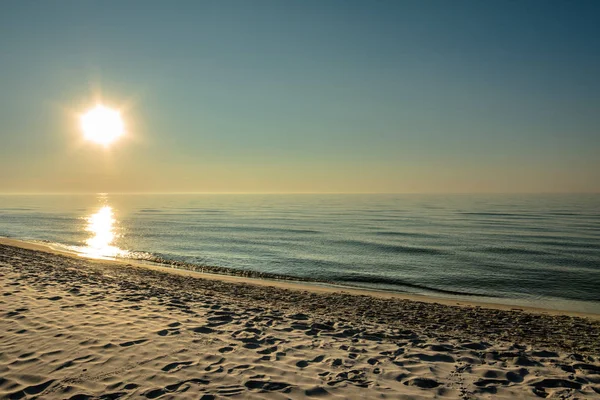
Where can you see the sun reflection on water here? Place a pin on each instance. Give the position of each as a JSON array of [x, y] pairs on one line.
[[102, 226]]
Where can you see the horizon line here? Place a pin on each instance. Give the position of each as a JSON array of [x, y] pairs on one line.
[[284, 193]]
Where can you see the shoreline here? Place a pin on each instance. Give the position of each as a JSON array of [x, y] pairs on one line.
[[75, 328], [291, 283]]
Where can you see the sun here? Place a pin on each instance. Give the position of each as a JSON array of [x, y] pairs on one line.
[[102, 125]]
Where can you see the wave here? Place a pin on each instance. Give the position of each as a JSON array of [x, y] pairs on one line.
[[401, 282], [407, 234], [205, 211], [390, 248], [334, 279], [211, 269], [513, 251], [564, 244], [263, 229], [505, 215]]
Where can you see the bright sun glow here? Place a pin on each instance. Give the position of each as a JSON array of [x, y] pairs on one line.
[[102, 125]]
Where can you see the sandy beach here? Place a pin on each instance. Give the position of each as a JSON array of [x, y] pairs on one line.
[[80, 329]]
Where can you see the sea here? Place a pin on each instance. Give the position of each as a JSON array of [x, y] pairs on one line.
[[522, 250]]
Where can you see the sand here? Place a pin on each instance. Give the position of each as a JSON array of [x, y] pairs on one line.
[[80, 329]]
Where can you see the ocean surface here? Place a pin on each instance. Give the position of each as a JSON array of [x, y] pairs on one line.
[[538, 250]]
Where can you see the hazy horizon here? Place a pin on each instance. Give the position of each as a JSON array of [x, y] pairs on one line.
[[296, 193], [302, 97]]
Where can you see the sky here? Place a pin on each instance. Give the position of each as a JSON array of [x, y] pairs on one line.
[[302, 96]]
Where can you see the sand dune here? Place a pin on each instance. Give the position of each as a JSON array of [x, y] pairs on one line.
[[78, 329]]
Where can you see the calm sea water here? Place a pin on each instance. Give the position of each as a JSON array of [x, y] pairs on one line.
[[541, 250]]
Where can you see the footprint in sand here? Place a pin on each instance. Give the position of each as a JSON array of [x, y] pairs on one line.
[[230, 390], [269, 386], [487, 382], [239, 367], [423, 383], [203, 329], [153, 394], [168, 332], [219, 320], [133, 342], [226, 349], [32, 390], [306, 363], [268, 350], [176, 366], [316, 391]]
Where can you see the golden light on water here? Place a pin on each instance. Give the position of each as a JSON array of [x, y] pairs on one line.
[[102, 125], [102, 226]]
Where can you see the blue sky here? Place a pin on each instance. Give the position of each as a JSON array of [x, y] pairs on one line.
[[303, 96]]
